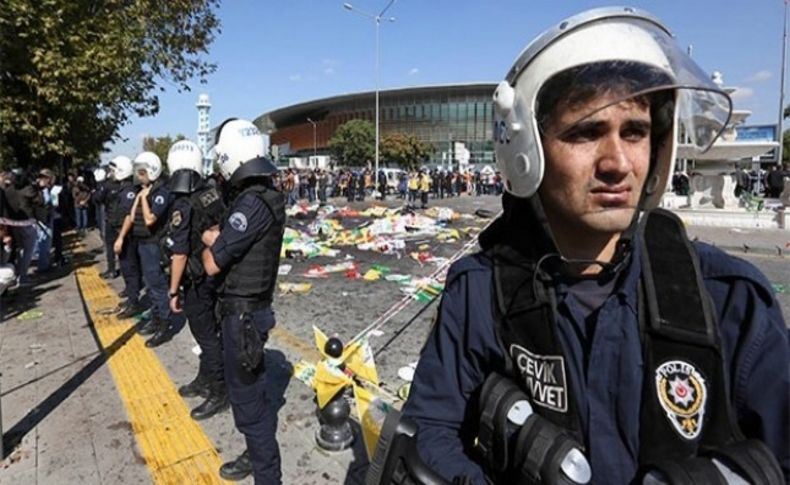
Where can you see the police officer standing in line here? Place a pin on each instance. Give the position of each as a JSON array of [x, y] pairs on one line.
[[196, 207], [628, 352], [119, 223], [149, 214], [103, 195], [246, 252]]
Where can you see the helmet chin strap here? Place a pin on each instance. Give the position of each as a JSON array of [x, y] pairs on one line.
[[622, 251]]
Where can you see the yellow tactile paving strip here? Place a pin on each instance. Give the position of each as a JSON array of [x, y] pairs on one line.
[[173, 445]]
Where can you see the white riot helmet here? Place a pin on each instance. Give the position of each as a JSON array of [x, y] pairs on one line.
[[185, 163], [149, 161], [121, 167], [99, 174], [184, 154], [239, 143], [614, 46]]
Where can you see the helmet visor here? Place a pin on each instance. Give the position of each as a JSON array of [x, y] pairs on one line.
[[658, 73]]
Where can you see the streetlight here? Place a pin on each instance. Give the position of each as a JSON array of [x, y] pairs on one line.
[[780, 127], [314, 143], [377, 19]]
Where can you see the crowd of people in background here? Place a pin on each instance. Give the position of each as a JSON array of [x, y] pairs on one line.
[[764, 183], [415, 186]]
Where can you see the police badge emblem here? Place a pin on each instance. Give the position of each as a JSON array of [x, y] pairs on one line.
[[175, 219], [682, 393], [238, 221]]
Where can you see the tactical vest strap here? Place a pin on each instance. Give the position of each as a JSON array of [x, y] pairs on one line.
[[527, 328], [685, 396]]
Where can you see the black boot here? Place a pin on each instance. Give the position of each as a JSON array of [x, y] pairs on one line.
[[198, 387], [164, 333], [216, 402], [147, 327], [109, 275], [237, 469], [129, 309]]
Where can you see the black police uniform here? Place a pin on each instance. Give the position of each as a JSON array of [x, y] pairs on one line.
[[106, 194], [148, 240], [190, 216], [248, 252], [119, 205]]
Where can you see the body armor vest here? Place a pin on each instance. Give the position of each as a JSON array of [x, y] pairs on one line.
[[253, 277], [115, 190], [681, 344], [207, 211], [143, 232]]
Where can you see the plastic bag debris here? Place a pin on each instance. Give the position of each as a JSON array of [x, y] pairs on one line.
[[294, 288]]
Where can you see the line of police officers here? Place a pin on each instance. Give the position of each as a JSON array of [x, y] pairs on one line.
[[222, 263]]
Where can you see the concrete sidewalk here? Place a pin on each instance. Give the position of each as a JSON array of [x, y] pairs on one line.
[[61, 414]]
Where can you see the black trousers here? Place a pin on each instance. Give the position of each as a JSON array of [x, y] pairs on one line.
[[110, 235], [199, 301], [254, 412]]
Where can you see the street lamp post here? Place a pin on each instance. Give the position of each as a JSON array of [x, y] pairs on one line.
[[377, 20], [780, 127], [315, 150]]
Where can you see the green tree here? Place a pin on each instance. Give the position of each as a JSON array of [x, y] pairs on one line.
[[354, 143], [75, 71], [161, 145], [405, 149], [786, 148]]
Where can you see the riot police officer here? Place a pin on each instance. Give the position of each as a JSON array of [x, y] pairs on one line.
[[149, 218], [106, 185], [196, 208], [635, 354], [246, 252], [120, 200]]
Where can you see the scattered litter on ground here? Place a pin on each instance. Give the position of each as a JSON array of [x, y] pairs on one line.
[[31, 315], [375, 333], [778, 288], [407, 372], [284, 269], [196, 350], [403, 391], [372, 275], [30, 365], [294, 288], [398, 278], [36, 347]]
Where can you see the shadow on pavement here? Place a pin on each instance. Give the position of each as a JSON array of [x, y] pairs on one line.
[[14, 436]]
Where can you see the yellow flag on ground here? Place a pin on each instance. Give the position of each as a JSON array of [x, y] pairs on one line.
[[371, 411], [320, 340], [359, 359], [328, 381]]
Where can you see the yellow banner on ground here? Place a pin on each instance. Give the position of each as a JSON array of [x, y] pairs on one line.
[[328, 381], [371, 410], [359, 359]]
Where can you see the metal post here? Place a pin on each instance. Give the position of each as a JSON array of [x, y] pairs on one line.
[[315, 149], [780, 126], [377, 19], [376, 174]]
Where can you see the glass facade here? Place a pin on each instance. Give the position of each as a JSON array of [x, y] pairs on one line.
[[442, 116]]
